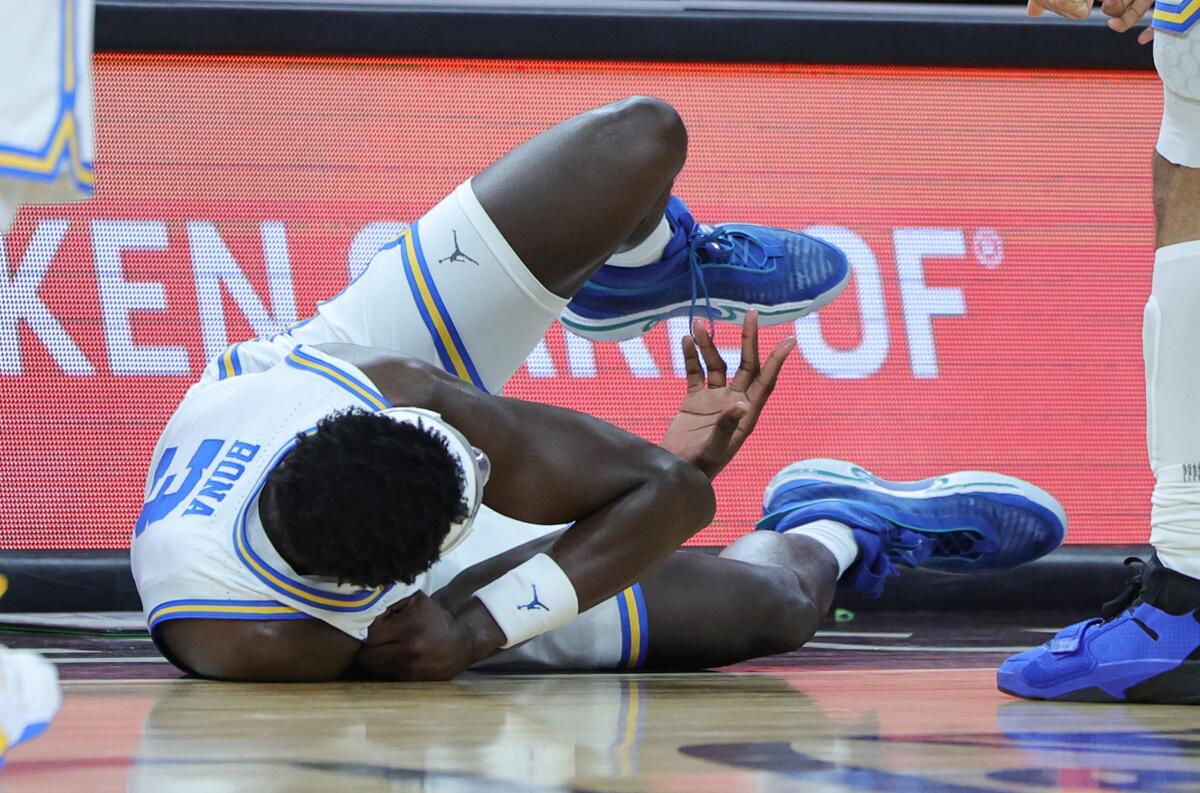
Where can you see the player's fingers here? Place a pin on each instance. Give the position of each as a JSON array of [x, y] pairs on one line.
[[1146, 36], [712, 357], [765, 383], [1131, 15], [1072, 9], [691, 365], [1114, 8], [749, 367]]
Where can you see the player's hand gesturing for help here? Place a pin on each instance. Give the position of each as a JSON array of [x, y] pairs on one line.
[[716, 417]]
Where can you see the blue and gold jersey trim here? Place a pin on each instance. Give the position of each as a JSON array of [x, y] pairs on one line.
[[446, 339], [63, 143], [635, 633], [285, 584], [299, 359], [229, 365], [222, 610], [1176, 17]]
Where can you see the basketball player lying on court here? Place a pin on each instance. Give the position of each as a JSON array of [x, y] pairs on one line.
[[316, 506]]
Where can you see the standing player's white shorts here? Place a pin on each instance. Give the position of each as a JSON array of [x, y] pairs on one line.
[[1177, 58], [450, 291]]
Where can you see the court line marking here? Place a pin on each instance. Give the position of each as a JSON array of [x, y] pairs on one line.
[[913, 649], [156, 659], [937, 671], [125, 681], [865, 634]]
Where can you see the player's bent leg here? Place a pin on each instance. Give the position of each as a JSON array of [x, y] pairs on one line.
[[767, 592], [573, 195], [764, 595], [476, 282], [694, 611]]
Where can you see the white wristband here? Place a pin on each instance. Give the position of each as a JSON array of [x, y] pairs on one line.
[[530, 599]]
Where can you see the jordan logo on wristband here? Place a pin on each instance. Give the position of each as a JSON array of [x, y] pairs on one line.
[[534, 604]]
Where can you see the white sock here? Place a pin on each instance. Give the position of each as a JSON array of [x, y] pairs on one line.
[[837, 537], [1170, 333], [648, 251]]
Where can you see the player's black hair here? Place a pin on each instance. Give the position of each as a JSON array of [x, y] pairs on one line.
[[366, 499]]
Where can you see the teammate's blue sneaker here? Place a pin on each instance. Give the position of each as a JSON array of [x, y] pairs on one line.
[[960, 522], [715, 272], [1145, 647]]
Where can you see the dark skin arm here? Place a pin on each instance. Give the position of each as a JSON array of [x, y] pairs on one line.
[[632, 502], [600, 558]]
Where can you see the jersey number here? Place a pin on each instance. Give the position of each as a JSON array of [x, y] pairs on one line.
[[162, 502]]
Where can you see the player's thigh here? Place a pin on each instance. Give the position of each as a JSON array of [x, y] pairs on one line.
[[449, 291], [1177, 161]]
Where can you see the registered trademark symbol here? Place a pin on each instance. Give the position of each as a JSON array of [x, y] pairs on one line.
[[988, 248]]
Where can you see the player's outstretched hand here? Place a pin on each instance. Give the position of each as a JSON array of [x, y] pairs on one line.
[[717, 416]]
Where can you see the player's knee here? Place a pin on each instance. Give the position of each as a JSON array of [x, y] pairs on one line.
[[788, 615], [649, 135]]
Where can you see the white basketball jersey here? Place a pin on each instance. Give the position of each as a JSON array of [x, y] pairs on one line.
[[47, 135], [199, 549]]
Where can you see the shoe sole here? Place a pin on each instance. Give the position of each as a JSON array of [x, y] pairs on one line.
[[958, 483], [630, 326], [1177, 686]]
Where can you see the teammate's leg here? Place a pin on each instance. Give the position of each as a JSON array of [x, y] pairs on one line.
[[1146, 648], [1172, 326]]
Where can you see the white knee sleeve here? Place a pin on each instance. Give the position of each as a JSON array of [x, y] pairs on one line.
[[1171, 346], [1177, 57]]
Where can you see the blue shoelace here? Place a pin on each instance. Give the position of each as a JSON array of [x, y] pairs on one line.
[[722, 246]]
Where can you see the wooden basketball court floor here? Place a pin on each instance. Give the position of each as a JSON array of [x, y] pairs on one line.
[[882, 703]]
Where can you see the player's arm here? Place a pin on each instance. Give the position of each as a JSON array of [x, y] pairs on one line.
[[264, 651], [633, 502]]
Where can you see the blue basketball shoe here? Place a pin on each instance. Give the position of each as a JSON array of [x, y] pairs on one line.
[[1145, 647], [960, 522], [716, 272]]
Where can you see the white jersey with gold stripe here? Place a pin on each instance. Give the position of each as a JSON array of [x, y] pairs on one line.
[[199, 549]]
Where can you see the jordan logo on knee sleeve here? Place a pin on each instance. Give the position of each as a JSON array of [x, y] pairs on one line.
[[458, 255]]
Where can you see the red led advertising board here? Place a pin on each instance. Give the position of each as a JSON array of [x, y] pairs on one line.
[[999, 224]]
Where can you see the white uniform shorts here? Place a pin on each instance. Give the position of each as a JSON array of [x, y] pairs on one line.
[[451, 291], [1177, 58]]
